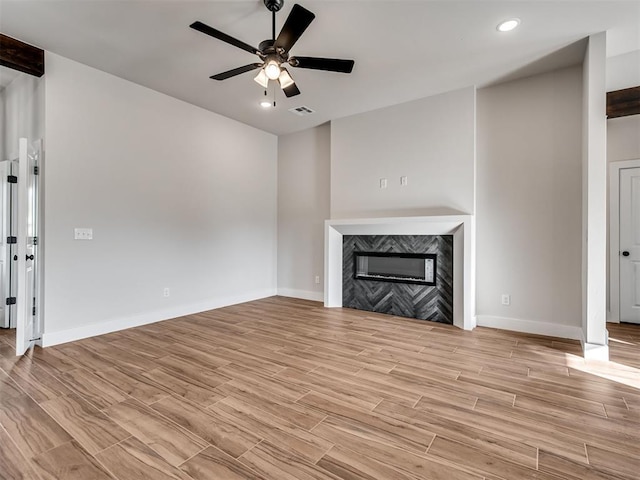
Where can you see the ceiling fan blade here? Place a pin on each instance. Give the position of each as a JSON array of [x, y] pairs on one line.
[[291, 91], [236, 71], [201, 27], [294, 26], [328, 64]]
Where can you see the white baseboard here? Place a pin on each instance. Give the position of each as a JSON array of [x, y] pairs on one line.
[[530, 326], [595, 351], [86, 331], [612, 319], [303, 294]]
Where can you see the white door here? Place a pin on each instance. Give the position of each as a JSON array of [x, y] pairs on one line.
[[6, 245], [630, 245], [26, 293]]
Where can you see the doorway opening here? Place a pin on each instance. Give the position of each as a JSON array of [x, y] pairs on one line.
[[624, 242], [21, 154]]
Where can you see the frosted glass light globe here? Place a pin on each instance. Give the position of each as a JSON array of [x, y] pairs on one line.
[[272, 70]]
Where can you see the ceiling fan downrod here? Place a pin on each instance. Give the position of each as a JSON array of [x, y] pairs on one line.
[[273, 6]]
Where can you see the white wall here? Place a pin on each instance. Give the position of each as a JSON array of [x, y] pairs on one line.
[[177, 197], [623, 138], [623, 71], [528, 223], [594, 199], [303, 206], [23, 113], [3, 126], [431, 141]]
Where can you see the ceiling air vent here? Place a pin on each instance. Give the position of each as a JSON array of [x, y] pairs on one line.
[[302, 111]]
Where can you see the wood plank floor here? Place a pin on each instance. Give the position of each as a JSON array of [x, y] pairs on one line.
[[285, 389]]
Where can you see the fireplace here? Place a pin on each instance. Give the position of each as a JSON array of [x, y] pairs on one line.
[[339, 281], [414, 268], [402, 275]]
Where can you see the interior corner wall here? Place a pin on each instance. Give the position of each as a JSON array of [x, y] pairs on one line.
[[528, 222], [594, 199], [431, 141], [177, 197], [303, 206]]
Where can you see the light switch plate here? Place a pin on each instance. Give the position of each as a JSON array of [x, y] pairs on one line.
[[83, 233]]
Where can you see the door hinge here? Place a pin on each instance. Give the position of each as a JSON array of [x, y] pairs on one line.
[[12, 179], [33, 311], [35, 240], [36, 171], [12, 239], [11, 300]]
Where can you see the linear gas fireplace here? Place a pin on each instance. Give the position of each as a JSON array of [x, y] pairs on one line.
[[414, 268]]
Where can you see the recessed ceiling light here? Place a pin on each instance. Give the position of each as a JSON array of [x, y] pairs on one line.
[[265, 103], [508, 25]]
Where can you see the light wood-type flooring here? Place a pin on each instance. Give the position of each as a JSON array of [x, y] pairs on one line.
[[285, 389]]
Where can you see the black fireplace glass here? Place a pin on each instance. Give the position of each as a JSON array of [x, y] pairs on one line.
[[416, 268]]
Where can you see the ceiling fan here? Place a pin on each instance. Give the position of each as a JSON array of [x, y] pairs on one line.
[[274, 53]]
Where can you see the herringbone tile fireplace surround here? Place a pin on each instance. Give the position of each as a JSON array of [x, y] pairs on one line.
[[424, 302]]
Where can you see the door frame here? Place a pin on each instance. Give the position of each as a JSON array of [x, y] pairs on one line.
[[614, 235], [40, 248]]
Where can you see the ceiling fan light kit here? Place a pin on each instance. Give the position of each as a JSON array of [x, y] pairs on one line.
[[262, 78], [274, 53], [285, 79], [272, 69]]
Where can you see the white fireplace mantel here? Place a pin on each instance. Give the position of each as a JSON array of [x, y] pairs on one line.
[[462, 228]]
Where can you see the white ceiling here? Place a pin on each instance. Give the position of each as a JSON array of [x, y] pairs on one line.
[[403, 49]]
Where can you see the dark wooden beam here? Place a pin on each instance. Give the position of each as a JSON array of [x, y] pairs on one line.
[[622, 103], [21, 56]]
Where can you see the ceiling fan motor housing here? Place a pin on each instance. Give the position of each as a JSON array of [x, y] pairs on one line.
[[268, 49], [273, 5]]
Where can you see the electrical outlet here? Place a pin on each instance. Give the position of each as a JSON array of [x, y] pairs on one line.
[[383, 183], [166, 292], [83, 233], [506, 299], [404, 181], [317, 280]]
